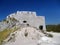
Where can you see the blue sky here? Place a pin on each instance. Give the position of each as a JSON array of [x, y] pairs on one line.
[[48, 8]]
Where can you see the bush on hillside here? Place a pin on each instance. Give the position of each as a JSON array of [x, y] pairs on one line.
[[54, 28]]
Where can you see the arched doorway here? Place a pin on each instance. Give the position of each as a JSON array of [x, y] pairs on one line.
[[41, 27]]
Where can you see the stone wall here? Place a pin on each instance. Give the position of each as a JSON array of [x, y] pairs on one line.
[[31, 18]]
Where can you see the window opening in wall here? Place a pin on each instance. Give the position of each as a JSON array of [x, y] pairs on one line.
[[24, 21], [41, 27]]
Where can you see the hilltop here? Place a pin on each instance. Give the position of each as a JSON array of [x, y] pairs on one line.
[[15, 32]]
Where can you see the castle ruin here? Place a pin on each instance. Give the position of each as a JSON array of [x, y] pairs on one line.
[[30, 18]]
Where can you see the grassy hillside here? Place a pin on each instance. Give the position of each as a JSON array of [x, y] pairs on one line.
[[54, 28], [5, 33]]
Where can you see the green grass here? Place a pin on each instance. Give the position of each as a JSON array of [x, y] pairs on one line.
[[5, 33]]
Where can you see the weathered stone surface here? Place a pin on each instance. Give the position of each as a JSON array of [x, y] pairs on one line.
[[31, 18]]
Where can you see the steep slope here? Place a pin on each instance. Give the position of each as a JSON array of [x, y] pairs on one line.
[[28, 36], [13, 32]]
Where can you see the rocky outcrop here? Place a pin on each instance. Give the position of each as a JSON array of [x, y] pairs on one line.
[[8, 23], [27, 36]]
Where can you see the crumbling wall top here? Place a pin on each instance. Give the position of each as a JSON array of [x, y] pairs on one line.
[[26, 12]]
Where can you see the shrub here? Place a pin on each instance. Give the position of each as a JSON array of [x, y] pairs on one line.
[[54, 28], [49, 35]]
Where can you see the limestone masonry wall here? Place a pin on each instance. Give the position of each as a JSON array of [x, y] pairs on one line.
[[31, 18]]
